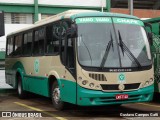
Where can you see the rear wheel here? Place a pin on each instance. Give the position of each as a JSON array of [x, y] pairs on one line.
[[56, 97], [20, 91]]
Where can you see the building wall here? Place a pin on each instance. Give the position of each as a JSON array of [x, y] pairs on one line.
[[141, 13], [50, 6], [91, 3]]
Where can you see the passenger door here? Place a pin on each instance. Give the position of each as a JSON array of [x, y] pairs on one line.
[[68, 89]]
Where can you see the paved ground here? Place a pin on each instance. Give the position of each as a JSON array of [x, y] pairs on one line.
[[2, 80], [43, 106]]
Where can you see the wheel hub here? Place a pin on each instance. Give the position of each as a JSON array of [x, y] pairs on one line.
[[56, 95]]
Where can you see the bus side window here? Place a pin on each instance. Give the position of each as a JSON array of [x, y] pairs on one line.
[[70, 54], [7, 47], [35, 44], [25, 44], [41, 37], [38, 46], [52, 38], [29, 43], [18, 45], [56, 37], [49, 37], [10, 46]]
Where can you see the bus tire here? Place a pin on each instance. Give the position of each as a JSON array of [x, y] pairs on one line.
[[20, 91], [56, 96]]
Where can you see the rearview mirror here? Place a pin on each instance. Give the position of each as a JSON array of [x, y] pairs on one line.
[[72, 31]]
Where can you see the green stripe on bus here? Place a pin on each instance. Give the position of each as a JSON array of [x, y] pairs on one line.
[[128, 21], [88, 97], [94, 20]]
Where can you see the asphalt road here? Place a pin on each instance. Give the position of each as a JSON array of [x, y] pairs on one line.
[[43, 107]]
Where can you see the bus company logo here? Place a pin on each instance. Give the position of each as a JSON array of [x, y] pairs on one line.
[[36, 66], [127, 21], [121, 77]]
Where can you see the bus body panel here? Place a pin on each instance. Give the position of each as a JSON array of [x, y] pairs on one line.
[[68, 91], [38, 82]]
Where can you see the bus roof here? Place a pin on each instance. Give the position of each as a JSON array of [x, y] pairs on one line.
[[72, 14], [152, 20]]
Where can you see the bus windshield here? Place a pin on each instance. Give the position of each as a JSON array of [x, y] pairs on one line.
[[106, 46]]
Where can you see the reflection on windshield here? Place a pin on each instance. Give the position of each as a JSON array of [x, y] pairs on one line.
[[110, 43], [94, 38], [125, 49], [135, 39]]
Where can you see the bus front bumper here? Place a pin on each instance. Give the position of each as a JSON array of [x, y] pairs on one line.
[[87, 97]]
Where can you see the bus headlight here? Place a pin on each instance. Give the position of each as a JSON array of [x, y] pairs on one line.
[[84, 82], [148, 82], [91, 85]]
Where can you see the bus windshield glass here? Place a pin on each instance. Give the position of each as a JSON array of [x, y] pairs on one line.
[[118, 44]]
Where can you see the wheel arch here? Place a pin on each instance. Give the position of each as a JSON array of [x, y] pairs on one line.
[[53, 76]]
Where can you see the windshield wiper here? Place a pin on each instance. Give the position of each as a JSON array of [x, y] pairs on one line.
[[110, 43], [87, 49], [121, 42], [124, 48]]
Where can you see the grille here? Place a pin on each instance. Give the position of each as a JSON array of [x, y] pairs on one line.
[[115, 86], [98, 77]]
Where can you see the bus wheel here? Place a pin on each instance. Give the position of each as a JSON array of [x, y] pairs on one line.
[[56, 97], [20, 91]]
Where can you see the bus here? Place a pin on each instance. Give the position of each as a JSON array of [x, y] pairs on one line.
[[82, 57], [2, 59], [153, 25]]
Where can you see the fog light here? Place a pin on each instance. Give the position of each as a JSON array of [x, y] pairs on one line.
[[91, 85], [147, 82], [84, 82]]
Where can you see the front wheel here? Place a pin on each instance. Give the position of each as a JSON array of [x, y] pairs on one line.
[[56, 97], [20, 91]]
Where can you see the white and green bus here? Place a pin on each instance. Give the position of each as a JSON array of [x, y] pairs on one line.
[[87, 58]]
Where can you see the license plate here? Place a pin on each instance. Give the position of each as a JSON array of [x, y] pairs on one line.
[[121, 96]]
